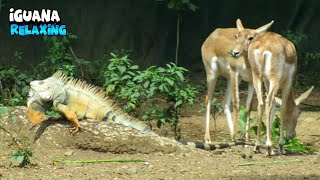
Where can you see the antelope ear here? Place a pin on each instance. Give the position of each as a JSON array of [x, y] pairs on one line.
[[264, 28], [303, 96], [239, 25]]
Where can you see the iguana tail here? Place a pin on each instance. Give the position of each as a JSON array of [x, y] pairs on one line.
[[123, 119], [212, 147]]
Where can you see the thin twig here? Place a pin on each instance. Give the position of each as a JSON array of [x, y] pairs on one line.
[[75, 57], [15, 140], [269, 162], [100, 161]]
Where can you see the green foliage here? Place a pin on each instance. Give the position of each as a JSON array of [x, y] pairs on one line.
[[58, 55], [242, 122], [52, 113], [308, 62], [14, 86], [297, 38], [130, 87], [118, 75], [182, 5], [22, 156], [292, 145]]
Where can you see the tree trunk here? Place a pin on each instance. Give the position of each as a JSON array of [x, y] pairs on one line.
[[178, 37]]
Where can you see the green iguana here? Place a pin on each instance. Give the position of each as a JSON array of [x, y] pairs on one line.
[[75, 99]]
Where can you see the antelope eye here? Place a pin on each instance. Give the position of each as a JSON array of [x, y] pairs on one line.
[[250, 38]]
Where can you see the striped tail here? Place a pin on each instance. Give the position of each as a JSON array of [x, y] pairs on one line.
[[123, 119], [212, 147]]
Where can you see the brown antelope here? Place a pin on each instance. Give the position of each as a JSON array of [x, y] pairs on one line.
[[273, 61], [218, 62]]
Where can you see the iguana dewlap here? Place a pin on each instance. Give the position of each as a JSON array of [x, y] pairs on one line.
[[75, 99]]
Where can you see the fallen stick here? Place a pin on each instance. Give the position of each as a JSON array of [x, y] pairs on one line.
[[269, 162], [99, 161]]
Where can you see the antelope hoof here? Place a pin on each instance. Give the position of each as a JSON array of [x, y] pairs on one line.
[[282, 150], [207, 139], [257, 149], [270, 151]]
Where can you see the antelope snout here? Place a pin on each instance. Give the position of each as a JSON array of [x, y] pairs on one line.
[[235, 53]]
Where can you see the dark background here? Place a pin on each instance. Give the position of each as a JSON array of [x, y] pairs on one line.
[[148, 27]]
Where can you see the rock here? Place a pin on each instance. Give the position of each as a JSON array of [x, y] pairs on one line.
[[69, 153], [132, 170]]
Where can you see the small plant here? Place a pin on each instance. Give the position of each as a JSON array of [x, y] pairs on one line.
[[170, 84], [242, 123], [291, 145], [22, 156], [14, 86], [118, 75], [129, 86]]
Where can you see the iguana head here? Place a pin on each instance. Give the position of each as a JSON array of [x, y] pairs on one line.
[[41, 95]]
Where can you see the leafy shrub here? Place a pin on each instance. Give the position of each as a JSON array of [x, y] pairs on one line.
[[292, 145], [130, 86], [118, 75], [61, 57], [14, 86], [170, 84]]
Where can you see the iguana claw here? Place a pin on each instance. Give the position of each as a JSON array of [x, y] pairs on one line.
[[74, 130]]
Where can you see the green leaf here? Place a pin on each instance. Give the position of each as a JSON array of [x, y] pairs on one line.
[[192, 7], [146, 84], [163, 120], [134, 67], [180, 75], [171, 82], [121, 69], [145, 117], [171, 5], [178, 103], [125, 77], [110, 88]]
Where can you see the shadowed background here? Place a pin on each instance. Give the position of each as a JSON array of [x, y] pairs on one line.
[[148, 27]]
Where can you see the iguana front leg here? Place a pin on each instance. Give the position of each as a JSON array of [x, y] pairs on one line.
[[71, 116]]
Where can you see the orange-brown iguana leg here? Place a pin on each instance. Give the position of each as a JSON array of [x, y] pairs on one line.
[[71, 116]]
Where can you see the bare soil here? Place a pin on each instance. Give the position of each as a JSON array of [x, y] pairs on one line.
[[164, 158]]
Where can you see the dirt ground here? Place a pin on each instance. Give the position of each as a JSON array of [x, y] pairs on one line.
[[180, 164]]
